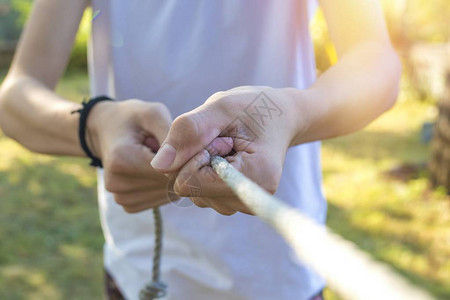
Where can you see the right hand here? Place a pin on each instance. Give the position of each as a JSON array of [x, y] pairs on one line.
[[126, 135]]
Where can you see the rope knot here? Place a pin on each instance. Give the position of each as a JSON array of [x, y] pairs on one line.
[[153, 290]]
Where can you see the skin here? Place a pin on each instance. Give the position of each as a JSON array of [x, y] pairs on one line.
[[39, 119], [357, 89]]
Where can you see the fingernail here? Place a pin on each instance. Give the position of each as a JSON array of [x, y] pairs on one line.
[[164, 157]]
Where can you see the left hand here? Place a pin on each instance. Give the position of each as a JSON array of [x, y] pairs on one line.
[[251, 126]]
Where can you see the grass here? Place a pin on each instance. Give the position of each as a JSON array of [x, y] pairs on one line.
[[51, 241], [403, 223]]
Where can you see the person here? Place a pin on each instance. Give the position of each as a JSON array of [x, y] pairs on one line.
[[239, 76]]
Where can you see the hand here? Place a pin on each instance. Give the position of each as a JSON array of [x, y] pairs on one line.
[[125, 136], [251, 126]]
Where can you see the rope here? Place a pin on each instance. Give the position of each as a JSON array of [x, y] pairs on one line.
[[347, 270], [155, 289]]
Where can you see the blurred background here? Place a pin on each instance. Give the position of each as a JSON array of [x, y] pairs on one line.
[[387, 185]]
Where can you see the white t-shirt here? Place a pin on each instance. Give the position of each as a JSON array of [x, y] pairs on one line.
[[180, 53]]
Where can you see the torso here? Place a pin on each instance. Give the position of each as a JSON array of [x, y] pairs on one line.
[[180, 53]]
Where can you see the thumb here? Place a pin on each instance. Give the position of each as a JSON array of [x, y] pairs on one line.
[[189, 134]]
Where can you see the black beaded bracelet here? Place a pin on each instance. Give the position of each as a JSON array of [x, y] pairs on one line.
[[84, 112]]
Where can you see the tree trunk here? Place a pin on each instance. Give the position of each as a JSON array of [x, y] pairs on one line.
[[439, 165]]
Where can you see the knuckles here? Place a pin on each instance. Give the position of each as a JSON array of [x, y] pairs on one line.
[[111, 185], [188, 125], [131, 210], [136, 202], [157, 111], [186, 186], [116, 161], [217, 96], [226, 211], [222, 100], [208, 202], [122, 200]]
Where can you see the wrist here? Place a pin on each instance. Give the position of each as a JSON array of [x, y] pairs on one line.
[[95, 123], [306, 110]]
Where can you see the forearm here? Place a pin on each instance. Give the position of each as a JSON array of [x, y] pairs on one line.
[[38, 118], [349, 95]]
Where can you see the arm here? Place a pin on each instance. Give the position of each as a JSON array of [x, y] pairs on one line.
[[34, 115], [361, 85], [349, 95], [30, 112]]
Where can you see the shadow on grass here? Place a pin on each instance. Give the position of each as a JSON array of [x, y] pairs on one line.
[[51, 240], [376, 244]]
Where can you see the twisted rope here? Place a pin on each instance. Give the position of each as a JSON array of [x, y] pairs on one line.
[[155, 289], [349, 271]]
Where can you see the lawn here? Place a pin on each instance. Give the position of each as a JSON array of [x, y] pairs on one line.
[[51, 241]]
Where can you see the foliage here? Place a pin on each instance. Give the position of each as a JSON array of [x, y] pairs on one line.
[[418, 20], [78, 59], [324, 50], [23, 7], [15, 16], [10, 20], [410, 23]]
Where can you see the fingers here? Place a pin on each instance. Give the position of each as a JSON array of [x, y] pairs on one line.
[[199, 163], [259, 167], [152, 143], [155, 118], [138, 201], [199, 202], [197, 178], [190, 141], [225, 205], [220, 146], [206, 203], [127, 169], [116, 183], [129, 145], [129, 157], [188, 135], [198, 175]]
